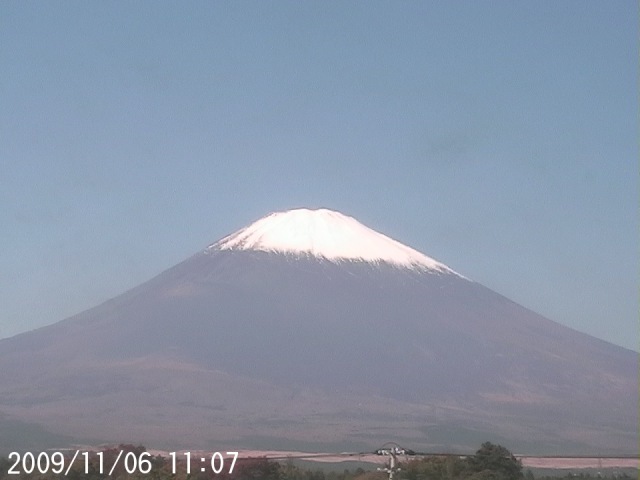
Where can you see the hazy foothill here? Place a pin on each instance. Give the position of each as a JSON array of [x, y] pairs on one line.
[[307, 330]]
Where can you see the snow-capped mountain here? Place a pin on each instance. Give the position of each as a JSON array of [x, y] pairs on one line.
[[307, 326], [326, 234]]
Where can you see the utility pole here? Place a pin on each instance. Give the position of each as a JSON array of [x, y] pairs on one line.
[[391, 469], [392, 452]]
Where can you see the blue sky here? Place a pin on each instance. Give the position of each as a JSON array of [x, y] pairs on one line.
[[498, 137]]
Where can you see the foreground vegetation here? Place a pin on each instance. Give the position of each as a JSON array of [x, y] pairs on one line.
[[490, 462]]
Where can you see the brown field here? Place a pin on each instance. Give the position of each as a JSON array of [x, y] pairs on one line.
[[528, 462]]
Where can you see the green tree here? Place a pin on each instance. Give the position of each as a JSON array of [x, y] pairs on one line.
[[494, 462], [433, 468]]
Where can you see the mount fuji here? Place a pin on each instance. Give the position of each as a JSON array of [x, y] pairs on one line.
[[309, 330], [326, 235]]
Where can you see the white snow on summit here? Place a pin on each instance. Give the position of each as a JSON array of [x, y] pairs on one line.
[[326, 234]]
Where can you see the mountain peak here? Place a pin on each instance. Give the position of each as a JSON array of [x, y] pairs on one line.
[[326, 234]]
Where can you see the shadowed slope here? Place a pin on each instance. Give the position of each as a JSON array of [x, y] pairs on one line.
[[234, 344]]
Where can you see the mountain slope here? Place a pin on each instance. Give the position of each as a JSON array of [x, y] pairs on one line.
[[249, 344]]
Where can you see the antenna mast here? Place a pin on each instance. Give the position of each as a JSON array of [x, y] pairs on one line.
[[392, 452]]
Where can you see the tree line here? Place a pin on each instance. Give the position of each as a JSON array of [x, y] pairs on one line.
[[490, 462]]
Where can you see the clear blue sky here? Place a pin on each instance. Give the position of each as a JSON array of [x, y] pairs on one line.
[[499, 137]]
